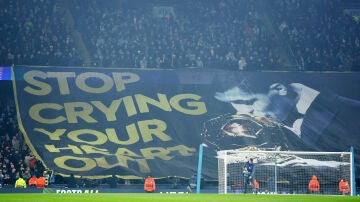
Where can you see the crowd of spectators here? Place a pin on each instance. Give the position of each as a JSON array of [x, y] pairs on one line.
[[322, 36], [34, 32], [207, 34], [226, 34], [16, 158]]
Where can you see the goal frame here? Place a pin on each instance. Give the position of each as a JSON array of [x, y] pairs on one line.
[[223, 162]]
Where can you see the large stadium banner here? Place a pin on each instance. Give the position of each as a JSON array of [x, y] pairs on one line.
[[96, 122]]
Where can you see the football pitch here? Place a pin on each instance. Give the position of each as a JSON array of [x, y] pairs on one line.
[[136, 197]]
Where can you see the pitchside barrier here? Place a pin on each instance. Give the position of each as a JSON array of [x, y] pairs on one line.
[[286, 172], [161, 188]]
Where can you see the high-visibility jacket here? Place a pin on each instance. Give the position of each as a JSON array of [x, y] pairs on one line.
[[41, 182], [314, 184], [32, 181], [256, 184], [20, 183], [344, 187], [149, 185]]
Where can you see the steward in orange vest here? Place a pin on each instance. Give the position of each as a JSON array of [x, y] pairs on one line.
[[344, 187], [40, 182], [149, 185], [32, 181], [314, 185], [255, 186]]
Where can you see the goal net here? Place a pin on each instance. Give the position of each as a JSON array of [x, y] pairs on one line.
[[285, 172]]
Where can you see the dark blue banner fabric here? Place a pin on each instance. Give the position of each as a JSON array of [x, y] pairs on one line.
[[133, 123]]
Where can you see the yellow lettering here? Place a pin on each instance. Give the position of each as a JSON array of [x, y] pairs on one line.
[[183, 150], [73, 148], [120, 158], [100, 138], [193, 108], [62, 80], [79, 109], [154, 127], [101, 83], [52, 135], [126, 152], [121, 79], [129, 106], [143, 102], [94, 150], [153, 152], [40, 88], [143, 165], [110, 111], [76, 111], [88, 163], [132, 134], [36, 109], [107, 82], [123, 161]]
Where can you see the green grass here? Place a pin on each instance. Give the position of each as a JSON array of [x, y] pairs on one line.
[[169, 198]]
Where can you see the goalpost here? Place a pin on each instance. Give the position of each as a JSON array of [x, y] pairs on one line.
[[286, 172]]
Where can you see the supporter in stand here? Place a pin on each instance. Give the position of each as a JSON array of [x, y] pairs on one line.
[[322, 36], [13, 149], [20, 183], [35, 33], [32, 181], [316, 35], [1, 178], [41, 182], [27, 175]]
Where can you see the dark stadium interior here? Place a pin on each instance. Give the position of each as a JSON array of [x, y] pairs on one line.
[[236, 35]]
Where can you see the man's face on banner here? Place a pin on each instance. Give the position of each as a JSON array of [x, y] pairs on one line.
[[276, 103]]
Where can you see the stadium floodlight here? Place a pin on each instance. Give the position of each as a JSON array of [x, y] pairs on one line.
[[286, 172]]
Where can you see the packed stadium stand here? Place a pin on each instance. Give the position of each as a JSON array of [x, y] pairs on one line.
[[239, 35], [231, 34]]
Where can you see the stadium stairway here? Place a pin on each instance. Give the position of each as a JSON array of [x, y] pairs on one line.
[[78, 40], [282, 48]]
